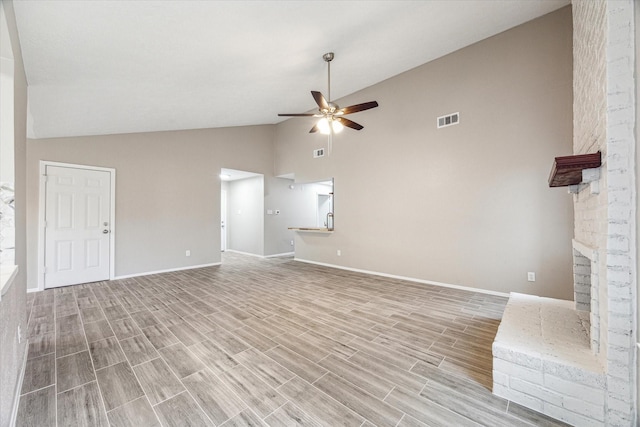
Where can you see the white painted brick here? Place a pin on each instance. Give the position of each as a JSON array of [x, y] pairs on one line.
[[619, 322], [572, 374], [499, 377], [620, 293], [619, 355], [582, 407], [614, 260], [619, 419], [526, 360], [573, 389], [518, 397], [619, 228], [619, 387], [569, 416], [618, 179], [618, 243], [618, 370], [500, 389], [518, 371], [615, 404], [619, 338], [535, 390], [620, 306], [619, 275], [582, 269], [604, 116]]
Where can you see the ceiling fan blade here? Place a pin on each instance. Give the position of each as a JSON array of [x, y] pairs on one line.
[[349, 123], [358, 107], [297, 115], [314, 129], [322, 103]]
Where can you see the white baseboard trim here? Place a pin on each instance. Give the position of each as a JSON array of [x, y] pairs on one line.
[[409, 279], [16, 397], [170, 270], [148, 273], [279, 255], [244, 253], [260, 256]]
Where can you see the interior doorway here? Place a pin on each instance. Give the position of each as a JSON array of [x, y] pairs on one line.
[[241, 212]]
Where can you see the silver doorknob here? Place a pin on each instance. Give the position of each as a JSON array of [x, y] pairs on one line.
[[105, 231]]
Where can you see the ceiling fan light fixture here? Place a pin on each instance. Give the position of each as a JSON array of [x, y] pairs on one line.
[[323, 126], [329, 125]]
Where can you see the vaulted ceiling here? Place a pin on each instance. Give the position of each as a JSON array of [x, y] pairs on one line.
[[118, 66]]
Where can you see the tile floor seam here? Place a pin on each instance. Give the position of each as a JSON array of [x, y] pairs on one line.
[[55, 365], [104, 406]]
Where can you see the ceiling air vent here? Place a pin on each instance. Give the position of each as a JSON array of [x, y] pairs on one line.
[[318, 153], [448, 120]]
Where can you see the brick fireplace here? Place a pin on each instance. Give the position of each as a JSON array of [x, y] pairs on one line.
[[576, 360]]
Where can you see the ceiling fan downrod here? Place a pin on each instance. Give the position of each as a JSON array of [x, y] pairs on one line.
[[328, 57]]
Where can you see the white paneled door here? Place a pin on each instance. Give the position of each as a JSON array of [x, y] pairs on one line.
[[77, 226]]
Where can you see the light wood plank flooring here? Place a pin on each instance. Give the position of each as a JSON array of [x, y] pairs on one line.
[[263, 342]]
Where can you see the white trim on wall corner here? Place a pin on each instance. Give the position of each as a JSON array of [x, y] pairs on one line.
[[169, 270], [16, 396], [409, 279]]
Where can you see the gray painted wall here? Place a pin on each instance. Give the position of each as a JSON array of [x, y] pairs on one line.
[[167, 190], [637, 29], [468, 204], [245, 215], [13, 304]]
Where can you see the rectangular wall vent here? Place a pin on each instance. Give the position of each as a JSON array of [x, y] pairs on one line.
[[448, 120], [318, 153]]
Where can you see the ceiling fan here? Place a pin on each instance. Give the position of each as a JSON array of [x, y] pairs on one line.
[[331, 116]]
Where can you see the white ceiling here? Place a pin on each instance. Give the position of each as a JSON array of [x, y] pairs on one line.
[[117, 66]]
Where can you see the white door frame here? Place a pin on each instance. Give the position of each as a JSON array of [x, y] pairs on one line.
[[41, 212], [223, 217]]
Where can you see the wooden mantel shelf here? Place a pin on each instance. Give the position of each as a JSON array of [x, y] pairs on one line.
[[567, 170]]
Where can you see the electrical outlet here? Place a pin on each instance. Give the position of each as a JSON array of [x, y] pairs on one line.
[[188, 253], [292, 243], [339, 252], [531, 276]]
